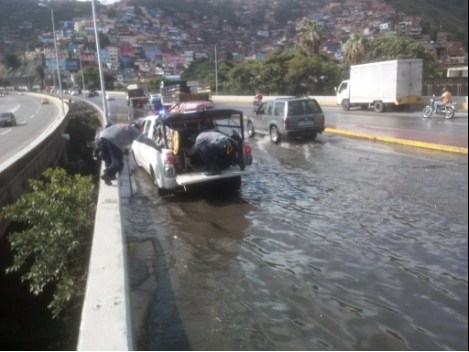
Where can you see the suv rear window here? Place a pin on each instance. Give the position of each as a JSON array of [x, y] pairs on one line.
[[303, 107]]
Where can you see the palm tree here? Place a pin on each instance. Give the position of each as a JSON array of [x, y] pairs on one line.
[[356, 49], [310, 37], [41, 75]]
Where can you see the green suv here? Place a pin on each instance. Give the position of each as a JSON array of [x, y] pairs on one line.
[[293, 117]]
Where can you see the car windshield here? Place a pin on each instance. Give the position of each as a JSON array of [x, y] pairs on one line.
[[4, 114]]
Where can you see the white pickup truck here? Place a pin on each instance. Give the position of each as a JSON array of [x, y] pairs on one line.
[[175, 167]]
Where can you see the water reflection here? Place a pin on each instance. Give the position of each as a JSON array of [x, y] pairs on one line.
[[309, 257], [168, 224]]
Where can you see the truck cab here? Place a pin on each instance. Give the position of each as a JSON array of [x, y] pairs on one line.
[[343, 95]]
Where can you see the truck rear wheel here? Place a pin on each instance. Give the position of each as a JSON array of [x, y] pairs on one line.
[[379, 106], [346, 105]]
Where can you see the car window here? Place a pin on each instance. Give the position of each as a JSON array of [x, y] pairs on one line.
[[302, 107], [295, 108], [156, 132], [269, 109], [343, 87], [146, 127], [262, 108], [279, 109], [312, 107]]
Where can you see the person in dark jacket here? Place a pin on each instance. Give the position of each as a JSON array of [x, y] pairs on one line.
[[113, 142], [217, 150]]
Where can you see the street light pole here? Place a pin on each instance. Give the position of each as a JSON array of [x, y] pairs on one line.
[[216, 71], [101, 77], [216, 61], [56, 53], [82, 75]]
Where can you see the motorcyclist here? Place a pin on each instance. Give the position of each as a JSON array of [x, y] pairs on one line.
[[445, 98], [258, 98]]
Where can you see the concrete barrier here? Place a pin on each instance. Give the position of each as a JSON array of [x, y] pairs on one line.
[[461, 102], [106, 319], [33, 160], [323, 100]]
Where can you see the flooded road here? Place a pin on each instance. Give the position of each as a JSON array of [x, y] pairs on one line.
[[336, 244]]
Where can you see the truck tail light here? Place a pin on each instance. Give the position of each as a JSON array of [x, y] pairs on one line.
[[247, 153], [169, 170], [247, 149], [169, 159]]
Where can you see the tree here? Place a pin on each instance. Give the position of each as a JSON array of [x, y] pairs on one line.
[[356, 49], [273, 69], [310, 75], [310, 37], [57, 216], [155, 84], [200, 70], [244, 78], [11, 61], [393, 48], [93, 81], [104, 40], [203, 71], [40, 74], [33, 44]]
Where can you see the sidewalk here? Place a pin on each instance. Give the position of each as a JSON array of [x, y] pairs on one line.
[[454, 143], [435, 133]]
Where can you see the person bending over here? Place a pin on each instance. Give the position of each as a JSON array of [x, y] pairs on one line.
[[113, 142], [217, 150]]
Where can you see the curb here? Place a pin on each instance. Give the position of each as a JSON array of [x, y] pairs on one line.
[[439, 147]]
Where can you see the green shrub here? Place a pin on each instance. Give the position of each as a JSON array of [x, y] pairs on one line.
[[58, 217]]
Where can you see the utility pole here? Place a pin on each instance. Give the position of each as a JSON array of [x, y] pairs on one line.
[[101, 77], [216, 71], [41, 4]]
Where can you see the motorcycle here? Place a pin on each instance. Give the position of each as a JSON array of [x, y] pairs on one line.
[[447, 110]]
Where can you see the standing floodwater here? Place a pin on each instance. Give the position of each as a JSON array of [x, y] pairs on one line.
[[331, 245]]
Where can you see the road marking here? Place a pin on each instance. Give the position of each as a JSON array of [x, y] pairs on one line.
[[15, 108], [411, 143], [6, 132]]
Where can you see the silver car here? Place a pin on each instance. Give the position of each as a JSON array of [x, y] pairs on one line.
[[7, 119], [293, 117]]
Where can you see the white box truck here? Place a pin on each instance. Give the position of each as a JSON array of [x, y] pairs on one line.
[[382, 84], [173, 92]]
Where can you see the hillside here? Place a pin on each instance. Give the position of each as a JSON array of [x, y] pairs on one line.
[[21, 21], [446, 15], [443, 15]]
